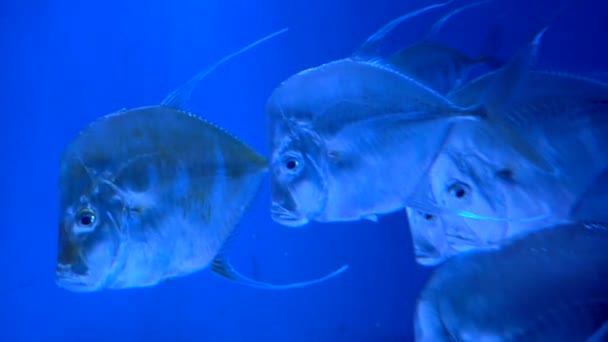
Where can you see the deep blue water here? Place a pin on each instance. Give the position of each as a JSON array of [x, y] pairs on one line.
[[66, 63]]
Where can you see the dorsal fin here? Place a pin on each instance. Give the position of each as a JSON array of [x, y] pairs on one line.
[[434, 31], [368, 50], [181, 95]]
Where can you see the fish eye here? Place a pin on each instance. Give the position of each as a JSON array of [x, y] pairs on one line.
[[429, 217], [86, 217], [291, 164], [459, 190]]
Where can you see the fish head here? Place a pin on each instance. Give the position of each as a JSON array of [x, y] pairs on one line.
[[297, 173], [90, 233], [465, 186], [429, 238]]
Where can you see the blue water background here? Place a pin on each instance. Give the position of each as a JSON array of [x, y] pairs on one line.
[[66, 63]]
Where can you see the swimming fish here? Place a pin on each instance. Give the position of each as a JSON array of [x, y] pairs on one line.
[[501, 195], [549, 285], [153, 193], [488, 202], [561, 114], [343, 135]]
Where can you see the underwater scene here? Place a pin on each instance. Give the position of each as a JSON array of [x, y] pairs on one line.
[[337, 170]]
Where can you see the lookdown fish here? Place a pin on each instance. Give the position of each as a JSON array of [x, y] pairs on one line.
[[351, 139], [153, 193], [502, 195], [496, 201], [549, 285]]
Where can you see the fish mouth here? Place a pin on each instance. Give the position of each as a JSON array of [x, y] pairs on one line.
[[66, 279], [286, 217]]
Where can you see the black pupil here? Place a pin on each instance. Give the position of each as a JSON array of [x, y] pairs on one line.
[[505, 174], [460, 193], [428, 217], [291, 164], [86, 219]]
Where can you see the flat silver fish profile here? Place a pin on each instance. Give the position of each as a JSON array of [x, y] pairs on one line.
[[351, 138], [153, 193], [488, 192], [549, 285]]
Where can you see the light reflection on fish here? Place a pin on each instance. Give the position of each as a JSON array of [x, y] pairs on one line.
[[549, 285], [337, 126], [154, 193]]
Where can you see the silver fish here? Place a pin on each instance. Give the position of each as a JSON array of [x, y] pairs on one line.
[[562, 115], [481, 202], [548, 285], [496, 193], [153, 193], [344, 133]]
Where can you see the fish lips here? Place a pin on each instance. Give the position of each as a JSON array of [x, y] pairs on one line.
[[287, 217], [65, 278]]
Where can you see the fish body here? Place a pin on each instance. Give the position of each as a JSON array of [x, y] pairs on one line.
[[367, 120], [335, 127], [149, 194], [153, 193], [548, 285], [481, 175], [501, 198], [563, 116], [590, 205]]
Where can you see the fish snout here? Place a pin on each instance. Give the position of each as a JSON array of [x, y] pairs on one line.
[[65, 278]]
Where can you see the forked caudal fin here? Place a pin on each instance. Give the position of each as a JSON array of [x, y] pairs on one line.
[[181, 95], [221, 267]]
